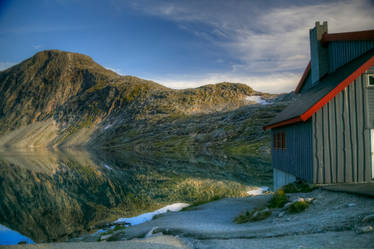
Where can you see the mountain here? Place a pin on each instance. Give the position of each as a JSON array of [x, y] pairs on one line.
[[58, 98]]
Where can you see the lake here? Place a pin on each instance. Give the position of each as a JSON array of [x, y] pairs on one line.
[[57, 195]]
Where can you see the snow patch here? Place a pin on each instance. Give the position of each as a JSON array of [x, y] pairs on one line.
[[258, 191], [257, 99], [148, 216]]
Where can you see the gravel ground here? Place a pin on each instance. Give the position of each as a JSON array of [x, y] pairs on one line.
[[332, 221], [157, 242]]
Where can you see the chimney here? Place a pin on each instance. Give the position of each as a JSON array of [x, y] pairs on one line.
[[319, 54]]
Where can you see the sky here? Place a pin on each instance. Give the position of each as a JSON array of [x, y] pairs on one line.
[[181, 44]]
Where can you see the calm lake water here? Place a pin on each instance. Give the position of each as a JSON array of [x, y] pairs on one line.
[[53, 196]]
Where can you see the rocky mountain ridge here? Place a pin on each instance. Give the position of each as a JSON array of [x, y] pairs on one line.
[[58, 98]]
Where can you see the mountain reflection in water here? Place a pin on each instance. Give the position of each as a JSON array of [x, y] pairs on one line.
[[55, 195]]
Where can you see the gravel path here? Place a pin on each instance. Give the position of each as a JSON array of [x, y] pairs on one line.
[[157, 242], [332, 221]]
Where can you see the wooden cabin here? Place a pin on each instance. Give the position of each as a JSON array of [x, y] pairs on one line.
[[326, 135]]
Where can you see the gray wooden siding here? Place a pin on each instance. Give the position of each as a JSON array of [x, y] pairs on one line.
[[297, 158], [370, 99], [342, 52], [341, 140]]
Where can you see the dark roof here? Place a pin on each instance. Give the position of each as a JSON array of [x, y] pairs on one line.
[[314, 98], [326, 38], [348, 36]]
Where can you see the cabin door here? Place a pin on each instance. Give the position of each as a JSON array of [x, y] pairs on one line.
[[372, 153]]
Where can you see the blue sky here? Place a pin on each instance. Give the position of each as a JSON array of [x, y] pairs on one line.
[[180, 44]]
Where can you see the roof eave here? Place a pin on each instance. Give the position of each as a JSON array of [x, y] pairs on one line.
[[283, 123], [323, 101]]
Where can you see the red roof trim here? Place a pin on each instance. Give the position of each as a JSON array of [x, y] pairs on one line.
[[348, 36], [303, 78], [283, 123], [306, 115], [337, 89]]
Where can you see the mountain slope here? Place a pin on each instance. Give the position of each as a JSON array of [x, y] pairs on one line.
[[58, 98]]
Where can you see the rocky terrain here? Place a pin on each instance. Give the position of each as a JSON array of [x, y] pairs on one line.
[[333, 220], [149, 145], [62, 99]]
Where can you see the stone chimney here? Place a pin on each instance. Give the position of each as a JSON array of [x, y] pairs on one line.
[[319, 54]]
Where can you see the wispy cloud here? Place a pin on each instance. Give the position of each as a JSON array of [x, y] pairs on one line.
[[37, 46], [5, 65], [41, 29], [271, 83], [265, 39], [116, 70]]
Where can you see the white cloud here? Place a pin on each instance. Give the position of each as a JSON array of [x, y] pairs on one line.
[[271, 83], [116, 70], [37, 46], [5, 65], [265, 38]]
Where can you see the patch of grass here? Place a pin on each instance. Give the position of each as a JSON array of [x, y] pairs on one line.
[[298, 187], [255, 215], [116, 228], [298, 207], [278, 200]]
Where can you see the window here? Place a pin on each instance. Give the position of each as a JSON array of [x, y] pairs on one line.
[[371, 80], [279, 140]]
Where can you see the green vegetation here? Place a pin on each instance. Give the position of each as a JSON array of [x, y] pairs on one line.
[[298, 206], [111, 231], [278, 200], [255, 215], [298, 187], [201, 202]]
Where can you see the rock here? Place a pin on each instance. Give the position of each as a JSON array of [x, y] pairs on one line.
[[105, 237], [150, 232], [287, 205], [298, 199], [364, 229], [309, 199], [265, 210], [281, 214], [368, 218]]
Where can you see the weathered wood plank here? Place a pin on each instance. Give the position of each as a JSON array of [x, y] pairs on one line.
[[347, 137]]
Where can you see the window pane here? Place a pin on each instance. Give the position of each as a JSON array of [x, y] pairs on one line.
[[283, 140], [371, 80]]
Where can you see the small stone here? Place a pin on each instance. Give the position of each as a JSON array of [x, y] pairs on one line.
[[368, 218], [299, 199], [105, 237], [281, 214], [364, 229], [309, 199], [287, 205], [351, 204]]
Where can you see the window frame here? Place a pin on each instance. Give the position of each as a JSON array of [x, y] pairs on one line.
[[279, 141], [368, 79]]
